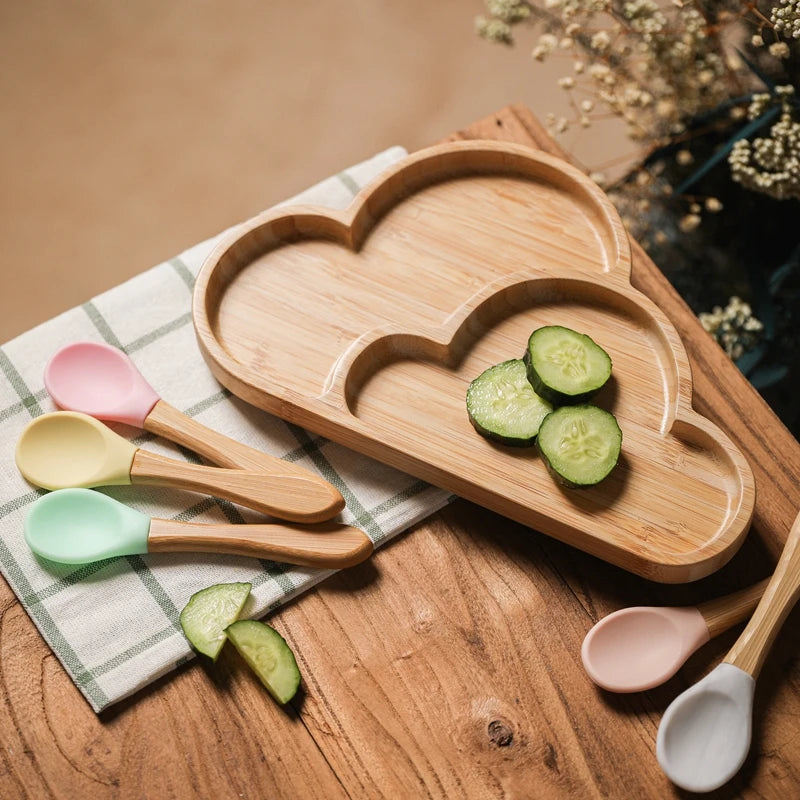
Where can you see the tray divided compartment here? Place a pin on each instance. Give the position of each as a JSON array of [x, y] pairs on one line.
[[367, 325]]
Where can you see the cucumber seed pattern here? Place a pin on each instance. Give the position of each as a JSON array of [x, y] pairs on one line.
[[582, 443], [570, 357]]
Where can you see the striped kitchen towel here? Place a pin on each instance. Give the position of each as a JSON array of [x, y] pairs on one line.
[[114, 624]]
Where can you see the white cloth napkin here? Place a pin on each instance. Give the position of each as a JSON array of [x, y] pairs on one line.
[[114, 624]]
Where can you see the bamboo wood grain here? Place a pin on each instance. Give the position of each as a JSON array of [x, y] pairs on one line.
[[438, 271], [324, 545], [290, 497], [166, 421], [782, 592], [722, 613], [445, 666]]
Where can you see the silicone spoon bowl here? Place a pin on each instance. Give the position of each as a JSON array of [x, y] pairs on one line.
[[102, 381], [705, 733], [640, 647], [79, 526], [67, 449]]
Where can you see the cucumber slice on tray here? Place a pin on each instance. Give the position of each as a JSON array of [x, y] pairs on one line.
[[209, 612], [503, 406], [564, 366], [580, 444]]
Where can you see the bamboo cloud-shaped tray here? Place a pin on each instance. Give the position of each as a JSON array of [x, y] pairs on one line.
[[367, 325]]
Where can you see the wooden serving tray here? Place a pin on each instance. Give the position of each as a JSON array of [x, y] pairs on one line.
[[367, 325]]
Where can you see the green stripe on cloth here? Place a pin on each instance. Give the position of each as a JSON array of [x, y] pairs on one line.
[[16, 408], [183, 271], [135, 650], [103, 328], [156, 590], [26, 396], [349, 183], [16, 503], [208, 402], [158, 333]]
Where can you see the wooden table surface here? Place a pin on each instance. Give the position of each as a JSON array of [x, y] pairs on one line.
[[448, 666]]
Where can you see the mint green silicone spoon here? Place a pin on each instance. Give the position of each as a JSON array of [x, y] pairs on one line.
[[78, 526]]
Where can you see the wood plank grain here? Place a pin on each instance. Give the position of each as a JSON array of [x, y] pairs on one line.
[[462, 678]]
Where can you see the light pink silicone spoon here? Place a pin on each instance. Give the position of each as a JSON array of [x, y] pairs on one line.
[[638, 648], [102, 381]]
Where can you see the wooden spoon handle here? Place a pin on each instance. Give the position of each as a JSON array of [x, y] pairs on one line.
[[166, 421], [751, 648], [723, 613], [325, 545], [291, 497]]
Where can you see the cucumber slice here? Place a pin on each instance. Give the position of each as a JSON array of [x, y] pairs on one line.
[[268, 655], [209, 612], [580, 444], [564, 366], [503, 406]]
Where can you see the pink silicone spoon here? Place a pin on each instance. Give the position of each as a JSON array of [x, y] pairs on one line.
[[638, 648], [102, 381]]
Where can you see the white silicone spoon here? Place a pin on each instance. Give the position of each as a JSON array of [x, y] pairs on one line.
[[102, 381], [640, 647], [704, 736]]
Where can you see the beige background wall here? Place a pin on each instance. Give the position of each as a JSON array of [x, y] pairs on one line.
[[131, 129]]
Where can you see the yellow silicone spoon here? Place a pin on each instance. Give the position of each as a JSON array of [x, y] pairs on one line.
[[67, 449]]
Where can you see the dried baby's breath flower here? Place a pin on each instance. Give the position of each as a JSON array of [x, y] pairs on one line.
[[713, 204], [785, 16], [779, 50], [770, 164], [665, 69], [493, 30], [600, 41], [689, 222], [508, 10], [734, 326]]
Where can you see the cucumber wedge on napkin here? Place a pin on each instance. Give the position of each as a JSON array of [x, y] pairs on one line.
[[209, 612]]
